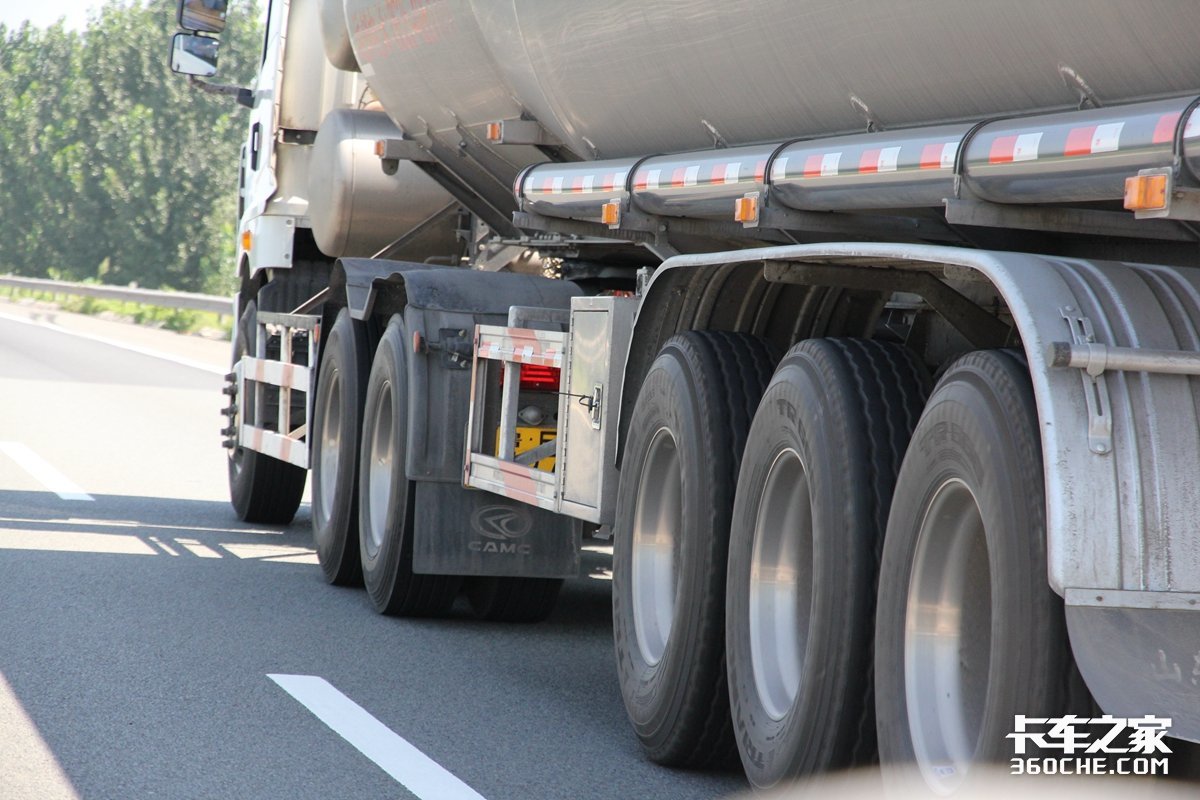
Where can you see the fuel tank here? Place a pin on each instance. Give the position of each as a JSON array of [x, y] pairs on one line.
[[618, 78]]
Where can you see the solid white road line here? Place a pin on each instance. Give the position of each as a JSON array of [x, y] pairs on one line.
[[42, 472], [416, 771], [184, 362]]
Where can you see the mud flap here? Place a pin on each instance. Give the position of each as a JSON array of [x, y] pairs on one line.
[[460, 531]]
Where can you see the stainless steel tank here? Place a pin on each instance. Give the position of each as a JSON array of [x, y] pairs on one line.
[[355, 208], [618, 78]]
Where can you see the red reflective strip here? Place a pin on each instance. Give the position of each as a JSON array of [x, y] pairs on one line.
[[1079, 141], [869, 162], [760, 171], [548, 185], [1002, 150], [931, 156], [678, 175], [812, 166], [641, 181], [1164, 131], [610, 181], [577, 184], [718, 173]]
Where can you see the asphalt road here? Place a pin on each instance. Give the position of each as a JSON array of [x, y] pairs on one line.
[[140, 622]]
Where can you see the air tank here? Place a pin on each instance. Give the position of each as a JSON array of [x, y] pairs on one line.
[[623, 78], [355, 208]]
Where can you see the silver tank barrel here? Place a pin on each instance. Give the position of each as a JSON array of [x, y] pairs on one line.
[[896, 169], [576, 190], [701, 185], [759, 72], [1078, 156]]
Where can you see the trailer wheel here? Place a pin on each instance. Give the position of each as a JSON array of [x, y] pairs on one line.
[[808, 522], [385, 536], [968, 632], [671, 540], [337, 425], [513, 599], [261, 489]]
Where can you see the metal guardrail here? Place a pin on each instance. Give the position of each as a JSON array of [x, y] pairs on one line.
[[180, 300]]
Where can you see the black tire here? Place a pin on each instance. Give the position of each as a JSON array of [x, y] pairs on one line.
[[808, 524], [680, 466], [513, 599], [261, 489], [967, 622], [337, 427], [385, 503]]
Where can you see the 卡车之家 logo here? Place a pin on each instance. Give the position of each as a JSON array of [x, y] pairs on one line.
[[1074, 745]]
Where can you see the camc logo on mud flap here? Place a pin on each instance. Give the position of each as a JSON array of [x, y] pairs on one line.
[[501, 525]]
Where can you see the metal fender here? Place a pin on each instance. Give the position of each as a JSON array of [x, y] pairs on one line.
[[1121, 452]]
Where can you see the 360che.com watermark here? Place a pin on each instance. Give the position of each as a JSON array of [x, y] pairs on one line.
[[1105, 745]]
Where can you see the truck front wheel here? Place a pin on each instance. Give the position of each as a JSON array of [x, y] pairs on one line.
[[261, 489], [385, 542], [671, 539], [337, 425], [968, 632]]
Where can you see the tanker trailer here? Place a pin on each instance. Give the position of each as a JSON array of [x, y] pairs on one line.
[[784, 221]]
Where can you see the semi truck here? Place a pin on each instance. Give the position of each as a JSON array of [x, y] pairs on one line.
[[867, 332]]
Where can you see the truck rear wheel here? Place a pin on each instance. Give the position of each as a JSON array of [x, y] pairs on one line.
[[385, 535], [337, 425], [968, 632], [671, 540], [513, 599], [261, 489], [808, 521]]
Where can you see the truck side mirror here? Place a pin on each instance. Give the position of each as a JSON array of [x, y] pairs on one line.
[[203, 16], [194, 55]]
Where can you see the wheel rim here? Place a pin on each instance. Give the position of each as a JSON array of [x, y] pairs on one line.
[[781, 584], [379, 473], [331, 441], [657, 523], [947, 637]]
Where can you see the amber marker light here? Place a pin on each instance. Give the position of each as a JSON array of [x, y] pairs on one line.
[[494, 131], [610, 213], [247, 239], [1146, 193], [745, 209]]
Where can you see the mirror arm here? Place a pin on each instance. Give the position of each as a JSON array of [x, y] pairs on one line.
[[244, 96]]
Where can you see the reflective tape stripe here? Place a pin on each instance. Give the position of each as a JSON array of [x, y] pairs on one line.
[[1021, 147], [869, 162], [274, 445], [939, 155], [1164, 131], [276, 373], [1092, 139]]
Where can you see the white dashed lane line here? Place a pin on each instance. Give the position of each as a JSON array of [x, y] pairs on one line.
[[416, 771], [43, 472]]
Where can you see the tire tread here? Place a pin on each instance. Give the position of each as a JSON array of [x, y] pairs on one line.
[[741, 366]]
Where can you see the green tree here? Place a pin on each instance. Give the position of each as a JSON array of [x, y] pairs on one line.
[[112, 166]]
